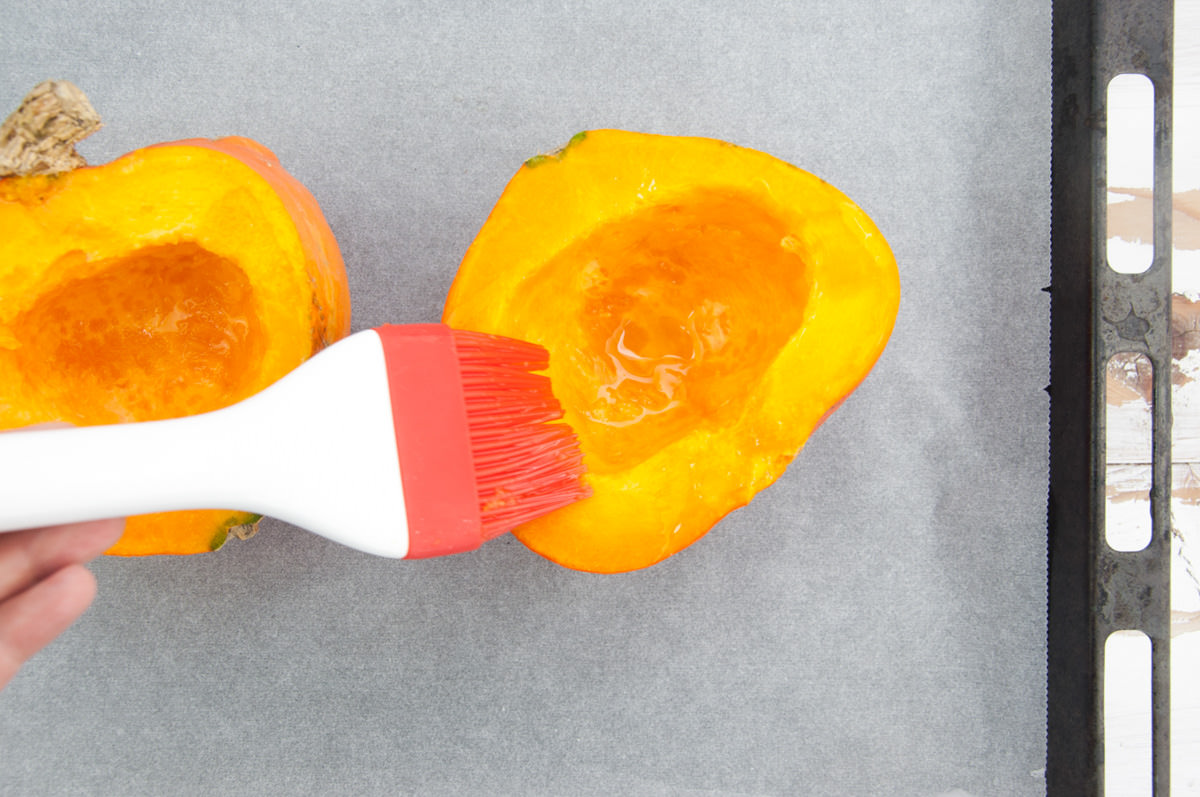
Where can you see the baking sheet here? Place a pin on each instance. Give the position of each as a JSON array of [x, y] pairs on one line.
[[872, 623]]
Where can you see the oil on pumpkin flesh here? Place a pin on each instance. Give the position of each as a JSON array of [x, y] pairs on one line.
[[658, 335], [705, 308], [159, 333], [656, 327]]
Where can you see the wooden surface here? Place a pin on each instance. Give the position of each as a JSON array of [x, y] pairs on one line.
[[1128, 448]]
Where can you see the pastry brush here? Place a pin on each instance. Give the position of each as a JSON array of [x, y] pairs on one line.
[[402, 441]]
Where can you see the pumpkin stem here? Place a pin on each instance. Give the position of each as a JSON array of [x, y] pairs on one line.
[[245, 531], [40, 136]]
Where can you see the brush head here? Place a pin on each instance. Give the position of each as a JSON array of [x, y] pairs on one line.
[[526, 464], [481, 443]]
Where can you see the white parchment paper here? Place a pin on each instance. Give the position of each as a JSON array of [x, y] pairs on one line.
[[872, 624]]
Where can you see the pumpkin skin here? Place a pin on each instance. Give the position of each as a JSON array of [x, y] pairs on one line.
[[705, 306], [175, 280]]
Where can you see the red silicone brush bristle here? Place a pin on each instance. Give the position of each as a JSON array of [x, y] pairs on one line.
[[527, 464]]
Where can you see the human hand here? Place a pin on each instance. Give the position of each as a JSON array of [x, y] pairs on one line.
[[44, 586]]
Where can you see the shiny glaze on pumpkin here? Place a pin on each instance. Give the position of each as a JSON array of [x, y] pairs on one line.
[[706, 306]]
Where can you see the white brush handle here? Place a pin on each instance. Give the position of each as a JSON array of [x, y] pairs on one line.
[[316, 449]]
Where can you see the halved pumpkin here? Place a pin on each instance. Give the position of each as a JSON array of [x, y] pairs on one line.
[[175, 280], [705, 306]]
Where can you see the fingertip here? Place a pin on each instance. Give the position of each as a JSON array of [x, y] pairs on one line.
[[31, 619], [86, 540], [65, 595], [31, 555], [77, 588], [108, 531]]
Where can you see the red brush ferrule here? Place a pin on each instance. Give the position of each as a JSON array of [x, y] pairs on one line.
[[432, 439]]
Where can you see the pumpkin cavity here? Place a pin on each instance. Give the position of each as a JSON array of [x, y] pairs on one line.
[[163, 331], [675, 311]]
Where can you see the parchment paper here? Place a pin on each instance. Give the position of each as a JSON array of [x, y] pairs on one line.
[[872, 624]]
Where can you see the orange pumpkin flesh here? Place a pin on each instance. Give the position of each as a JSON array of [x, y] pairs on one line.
[[175, 280], [706, 307]]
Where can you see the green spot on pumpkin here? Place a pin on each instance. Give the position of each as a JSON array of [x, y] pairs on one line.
[[243, 525], [538, 160]]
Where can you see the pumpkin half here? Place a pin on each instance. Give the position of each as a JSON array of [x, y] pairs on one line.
[[705, 306], [175, 280]]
